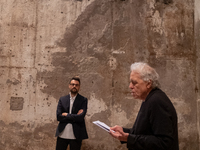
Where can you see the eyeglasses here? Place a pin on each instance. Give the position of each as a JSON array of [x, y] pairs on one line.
[[74, 84]]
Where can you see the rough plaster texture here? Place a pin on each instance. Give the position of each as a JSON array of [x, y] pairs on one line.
[[44, 43], [197, 39]]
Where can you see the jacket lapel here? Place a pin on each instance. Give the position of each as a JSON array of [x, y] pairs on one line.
[[66, 104]]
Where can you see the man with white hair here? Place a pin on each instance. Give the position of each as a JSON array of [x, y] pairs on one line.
[[155, 127]]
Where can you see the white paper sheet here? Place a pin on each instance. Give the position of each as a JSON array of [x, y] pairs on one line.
[[102, 125]]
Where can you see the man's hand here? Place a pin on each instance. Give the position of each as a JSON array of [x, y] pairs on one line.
[[119, 133], [80, 111], [64, 114]]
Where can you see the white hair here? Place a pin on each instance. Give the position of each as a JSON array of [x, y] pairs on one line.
[[146, 72]]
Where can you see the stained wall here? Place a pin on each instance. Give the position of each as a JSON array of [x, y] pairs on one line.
[[44, 43], [197, 43]]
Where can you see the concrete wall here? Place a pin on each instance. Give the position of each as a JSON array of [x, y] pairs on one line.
[[197, 40], [44, 43]]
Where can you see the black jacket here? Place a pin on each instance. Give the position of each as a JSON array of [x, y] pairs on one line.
[[155, 127], [77, 121]]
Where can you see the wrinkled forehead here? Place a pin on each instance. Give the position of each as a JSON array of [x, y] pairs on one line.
[[135, 74]]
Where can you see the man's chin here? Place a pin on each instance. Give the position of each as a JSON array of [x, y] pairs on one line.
[[74, 92], [135, 96]]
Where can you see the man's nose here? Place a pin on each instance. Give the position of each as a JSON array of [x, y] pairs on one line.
[[130, 85]]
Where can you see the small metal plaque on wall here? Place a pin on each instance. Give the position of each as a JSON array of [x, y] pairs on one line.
[[16, 103]]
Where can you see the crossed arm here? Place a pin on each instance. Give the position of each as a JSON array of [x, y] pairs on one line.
[[79, 112], [63, 116]]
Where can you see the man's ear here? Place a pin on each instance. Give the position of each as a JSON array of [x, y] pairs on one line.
[[149, 84]]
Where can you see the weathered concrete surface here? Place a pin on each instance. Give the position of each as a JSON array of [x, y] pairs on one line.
[[44, 43], [197, 39]]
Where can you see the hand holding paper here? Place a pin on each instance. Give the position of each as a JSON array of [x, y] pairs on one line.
[[102, 125], [119, 133]]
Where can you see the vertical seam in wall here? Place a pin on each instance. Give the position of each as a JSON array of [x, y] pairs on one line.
[[36, 26], [112, 71], [197, 38], [35, 48]]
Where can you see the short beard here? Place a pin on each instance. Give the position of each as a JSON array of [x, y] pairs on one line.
[[74, 92]]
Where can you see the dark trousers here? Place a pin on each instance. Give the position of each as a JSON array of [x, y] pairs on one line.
[[63, 143]]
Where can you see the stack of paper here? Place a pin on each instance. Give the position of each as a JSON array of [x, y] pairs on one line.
[[102, 125]]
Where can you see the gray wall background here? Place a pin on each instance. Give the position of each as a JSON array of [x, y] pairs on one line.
[[44, 43]]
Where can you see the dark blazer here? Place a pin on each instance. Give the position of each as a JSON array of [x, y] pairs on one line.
[[77, 121], [155, 127]]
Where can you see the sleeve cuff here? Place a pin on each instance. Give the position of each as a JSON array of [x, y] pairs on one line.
[[130, 140]]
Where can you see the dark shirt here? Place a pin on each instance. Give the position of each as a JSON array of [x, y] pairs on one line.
[[155, 127]]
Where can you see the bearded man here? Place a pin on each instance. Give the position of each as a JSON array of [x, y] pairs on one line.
[[71, 111]]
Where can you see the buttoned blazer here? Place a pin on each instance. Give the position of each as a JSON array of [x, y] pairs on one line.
[[77, 121]]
